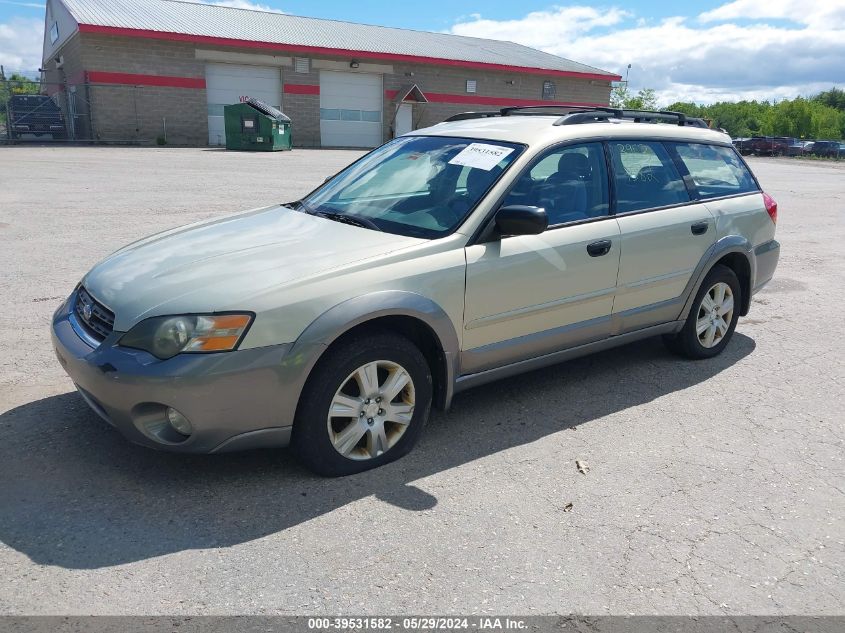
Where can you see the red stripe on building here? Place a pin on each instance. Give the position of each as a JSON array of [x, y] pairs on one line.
[[131, 79], [77, 78], [472, 99], [301, 89], [322, 50]]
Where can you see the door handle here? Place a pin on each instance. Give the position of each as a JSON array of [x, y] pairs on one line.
[[597, 249], [699, 228]]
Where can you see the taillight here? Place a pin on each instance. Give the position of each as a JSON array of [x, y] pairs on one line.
[[771, 207]]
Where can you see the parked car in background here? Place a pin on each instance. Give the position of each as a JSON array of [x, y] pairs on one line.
[[798, 148], [770, 145], [744, 145], [827, 149], [34, 117], [740, 144], [470, 251]]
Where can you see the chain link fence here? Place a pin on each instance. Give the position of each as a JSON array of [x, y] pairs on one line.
[[34, 111]]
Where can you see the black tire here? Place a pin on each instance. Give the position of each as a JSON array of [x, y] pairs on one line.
[[311, 439], [686, 342]]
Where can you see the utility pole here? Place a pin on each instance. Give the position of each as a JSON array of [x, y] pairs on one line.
[[626, 76]]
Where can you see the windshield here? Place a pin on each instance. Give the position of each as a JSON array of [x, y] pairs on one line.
[[420, 186]]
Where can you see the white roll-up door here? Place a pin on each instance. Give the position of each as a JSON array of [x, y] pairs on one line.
[[231, 83], [351, 106]]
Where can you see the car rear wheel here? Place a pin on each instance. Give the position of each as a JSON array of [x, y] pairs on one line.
[[713, 317], [364, 405]]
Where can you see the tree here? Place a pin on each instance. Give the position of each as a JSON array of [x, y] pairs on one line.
[[834, 98], [816, 117], [16, 84], [645, 99], [828, 123]]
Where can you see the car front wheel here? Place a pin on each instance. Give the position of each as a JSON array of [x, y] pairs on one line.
[[365, 405], [713, 317]]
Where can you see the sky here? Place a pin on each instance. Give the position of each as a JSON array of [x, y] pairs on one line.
[[703, 51]]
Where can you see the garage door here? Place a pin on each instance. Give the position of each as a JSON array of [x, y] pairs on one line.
[[350, 109], [229, 83]]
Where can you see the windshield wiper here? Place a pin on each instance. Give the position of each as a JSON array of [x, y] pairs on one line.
[[354, 220], [299, 205], [343, 218]]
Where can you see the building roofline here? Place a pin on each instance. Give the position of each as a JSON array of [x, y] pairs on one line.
[[358, 54]]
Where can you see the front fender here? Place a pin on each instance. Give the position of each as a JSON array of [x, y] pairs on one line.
[[336, 321]]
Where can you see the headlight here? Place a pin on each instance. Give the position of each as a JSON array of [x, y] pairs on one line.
[[164, 337]]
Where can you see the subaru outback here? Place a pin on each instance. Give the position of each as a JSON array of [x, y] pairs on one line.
[[487, 245]]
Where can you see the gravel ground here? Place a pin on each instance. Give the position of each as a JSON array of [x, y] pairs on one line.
[[714, 487]]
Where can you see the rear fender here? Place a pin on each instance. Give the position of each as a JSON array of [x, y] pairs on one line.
[[724, 246]]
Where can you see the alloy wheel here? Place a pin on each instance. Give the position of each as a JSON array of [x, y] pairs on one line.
[[715, 313], [371, 410]]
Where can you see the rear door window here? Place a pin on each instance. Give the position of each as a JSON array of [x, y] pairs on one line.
[[645, 176], [715, 171]]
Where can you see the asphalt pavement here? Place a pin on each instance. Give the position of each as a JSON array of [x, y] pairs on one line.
[[712, 487]]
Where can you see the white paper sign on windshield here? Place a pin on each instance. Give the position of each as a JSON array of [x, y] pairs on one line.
[[481, 156]]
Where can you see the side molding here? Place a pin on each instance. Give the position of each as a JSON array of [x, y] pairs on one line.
[[336, 321], [473, 380]]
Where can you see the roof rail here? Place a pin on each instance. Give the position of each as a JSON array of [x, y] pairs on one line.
[[536, 109], [511, 110], [463, 116], [594, 115], [588, 114]]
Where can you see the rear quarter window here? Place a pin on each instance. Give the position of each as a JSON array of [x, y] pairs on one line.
[[715, 171]]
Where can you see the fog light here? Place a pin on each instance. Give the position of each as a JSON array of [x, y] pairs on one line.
[[179, 422]]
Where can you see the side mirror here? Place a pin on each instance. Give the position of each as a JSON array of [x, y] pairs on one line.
[[518, 219]]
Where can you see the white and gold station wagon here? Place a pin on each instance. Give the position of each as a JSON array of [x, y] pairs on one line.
[[490, 244]]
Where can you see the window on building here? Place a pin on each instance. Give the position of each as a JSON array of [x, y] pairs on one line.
[[645, 177], [548, 90], [335, 114], [471, 85], [301, 65]]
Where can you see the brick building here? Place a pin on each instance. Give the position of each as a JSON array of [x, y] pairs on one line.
[[139, 70]]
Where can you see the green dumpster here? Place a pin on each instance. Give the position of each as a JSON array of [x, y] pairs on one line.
[[253, 125]]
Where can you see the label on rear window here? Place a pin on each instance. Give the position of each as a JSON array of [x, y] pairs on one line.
[[481, 156]]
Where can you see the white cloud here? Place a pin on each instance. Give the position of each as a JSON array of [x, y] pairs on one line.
[[21, 40], [705, 61], [818, 12], [241, 4], [545, 27], [18, 3]]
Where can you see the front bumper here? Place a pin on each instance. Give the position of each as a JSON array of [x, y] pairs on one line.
[[234, 400]]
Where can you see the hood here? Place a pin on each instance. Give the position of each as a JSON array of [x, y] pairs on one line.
[[219, 265]]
